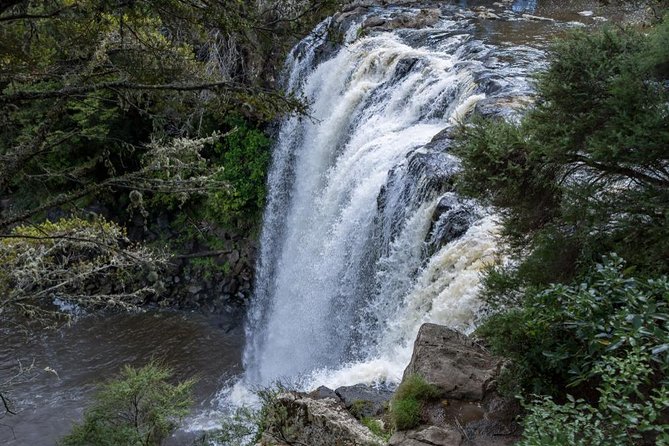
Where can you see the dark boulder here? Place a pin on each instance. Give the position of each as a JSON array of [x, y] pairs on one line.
[[363, 400], [323, 392]]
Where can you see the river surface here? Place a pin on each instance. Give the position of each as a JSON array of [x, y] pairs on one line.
[[93, 350]]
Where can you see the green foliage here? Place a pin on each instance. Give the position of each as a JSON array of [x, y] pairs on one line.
[[559, 336], [608, 332], [405, 413], [140, 408], [245, 159], [415, 386], [622, 417], [377, 428], [584, 173], [407, 403]]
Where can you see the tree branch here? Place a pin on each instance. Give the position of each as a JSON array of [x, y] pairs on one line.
[[6, 4], [25, 152], [52, 14], [620, 170], [71, 91], [199, 255]]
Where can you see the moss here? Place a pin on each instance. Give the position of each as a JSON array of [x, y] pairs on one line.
[[377, 428], [408, 402], [406, 413], [359, 407]]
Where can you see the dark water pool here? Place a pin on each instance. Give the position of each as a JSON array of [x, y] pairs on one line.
[[94, 349]]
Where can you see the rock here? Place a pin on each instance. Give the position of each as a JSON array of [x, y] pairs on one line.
[[491, 433], [234, 256], [487, 15], [373, 22], [423, 19], [451, 219], [452, 362], [314, 422], [231, 287], [363, 400], [471, 412], [439, 436], [432, 436], [537, 18], [194, 289], [324, 392]]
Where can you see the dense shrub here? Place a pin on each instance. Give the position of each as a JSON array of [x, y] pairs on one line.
[[139, 408], [625, 415], [560, 335], [582, 174]]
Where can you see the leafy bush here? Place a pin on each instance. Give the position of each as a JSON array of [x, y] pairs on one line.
[[140, 408], [559, 336], [622, 417], [408, 402], [245, 157]]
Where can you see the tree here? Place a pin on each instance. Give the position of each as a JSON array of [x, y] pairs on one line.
[[122, 102], [139, 408], [85, 86], [586, 171], [583, 174]]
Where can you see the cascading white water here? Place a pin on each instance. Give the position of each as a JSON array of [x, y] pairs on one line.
[[363, 238]]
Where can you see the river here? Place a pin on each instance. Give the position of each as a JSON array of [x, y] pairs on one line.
[[93, 349]]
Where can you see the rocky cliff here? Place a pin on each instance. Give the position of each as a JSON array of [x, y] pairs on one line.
[[468, 410]]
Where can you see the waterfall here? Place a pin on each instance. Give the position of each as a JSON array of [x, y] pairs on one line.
[[364, 238]]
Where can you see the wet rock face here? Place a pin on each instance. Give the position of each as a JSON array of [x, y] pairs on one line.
[[223, 285], [452, 362], [422, 19], [299, 419], [363, 400], [451, 219]]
